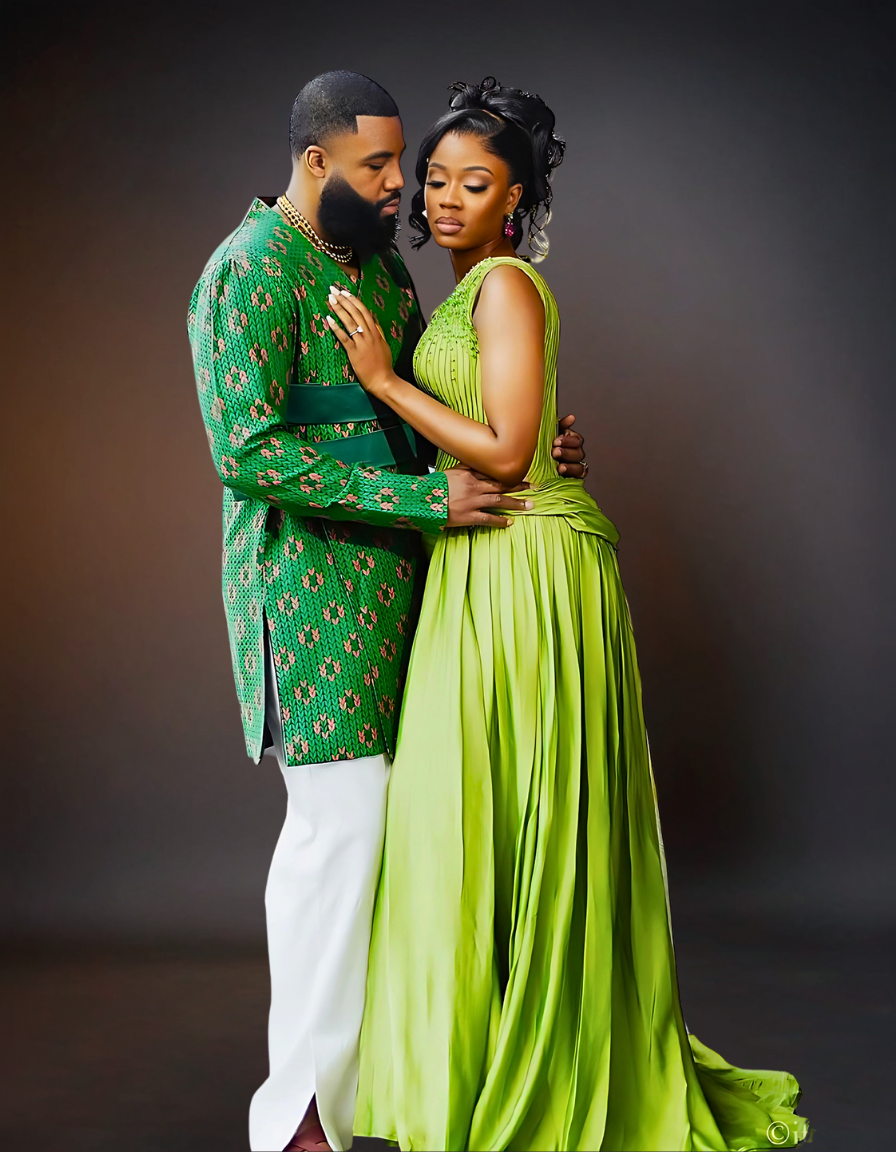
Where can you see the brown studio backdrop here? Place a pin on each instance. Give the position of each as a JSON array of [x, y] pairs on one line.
[[721, 257]]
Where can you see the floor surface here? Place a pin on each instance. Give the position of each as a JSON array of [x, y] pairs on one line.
[[160, 1050]]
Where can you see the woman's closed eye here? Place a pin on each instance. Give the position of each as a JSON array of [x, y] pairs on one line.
[[469, 187]]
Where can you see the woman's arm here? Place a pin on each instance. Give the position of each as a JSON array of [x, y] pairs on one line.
[[509, 322], [244, 408]]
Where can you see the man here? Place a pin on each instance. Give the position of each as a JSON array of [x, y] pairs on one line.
[[326, 493]]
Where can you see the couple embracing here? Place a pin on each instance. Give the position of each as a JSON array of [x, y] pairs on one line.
[[485, 962]]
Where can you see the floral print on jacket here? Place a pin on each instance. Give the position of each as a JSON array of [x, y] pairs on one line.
[[325, 552]]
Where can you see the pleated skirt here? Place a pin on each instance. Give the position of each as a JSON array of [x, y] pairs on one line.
[[522, 991]]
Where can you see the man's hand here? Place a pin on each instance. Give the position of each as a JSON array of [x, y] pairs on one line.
[[570, 451], [471, 493]]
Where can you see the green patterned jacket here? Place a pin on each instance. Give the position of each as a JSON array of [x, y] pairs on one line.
[[316, 536]]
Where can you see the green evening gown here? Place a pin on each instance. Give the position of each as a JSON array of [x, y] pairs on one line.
[[522, 990]]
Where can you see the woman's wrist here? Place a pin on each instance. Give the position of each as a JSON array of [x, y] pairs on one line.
[[387, 387]]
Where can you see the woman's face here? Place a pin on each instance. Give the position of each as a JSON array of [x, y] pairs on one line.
[[468, 193]]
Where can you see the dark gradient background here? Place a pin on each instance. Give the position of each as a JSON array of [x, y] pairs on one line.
[[723, 257]]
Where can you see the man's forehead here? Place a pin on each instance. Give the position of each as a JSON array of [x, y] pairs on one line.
[[376, 134]]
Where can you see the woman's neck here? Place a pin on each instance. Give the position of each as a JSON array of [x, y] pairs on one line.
[[465, 259]]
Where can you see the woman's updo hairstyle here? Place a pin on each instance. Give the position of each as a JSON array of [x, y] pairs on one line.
[[516, 126]]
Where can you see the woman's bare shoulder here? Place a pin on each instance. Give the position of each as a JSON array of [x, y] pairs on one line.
[[506, 290]]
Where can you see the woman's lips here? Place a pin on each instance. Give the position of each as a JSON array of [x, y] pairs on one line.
[[448, 225]]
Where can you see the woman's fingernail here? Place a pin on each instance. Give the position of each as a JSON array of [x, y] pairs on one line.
[[344, 293], [529, 504]]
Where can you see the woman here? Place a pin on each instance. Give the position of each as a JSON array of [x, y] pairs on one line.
[[522, 990]]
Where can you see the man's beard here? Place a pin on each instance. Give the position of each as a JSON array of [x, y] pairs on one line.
[[347, 218]]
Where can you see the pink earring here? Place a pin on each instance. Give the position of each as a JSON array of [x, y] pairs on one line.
[[508, 225]]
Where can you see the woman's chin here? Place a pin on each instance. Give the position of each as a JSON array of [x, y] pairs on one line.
[[453, 240]]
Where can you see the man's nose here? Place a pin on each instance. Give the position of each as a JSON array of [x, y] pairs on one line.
[[394, 181]]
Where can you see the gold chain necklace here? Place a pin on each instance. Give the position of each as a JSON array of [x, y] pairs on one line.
[[341, 253]]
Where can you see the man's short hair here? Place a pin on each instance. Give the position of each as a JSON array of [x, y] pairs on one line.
[[331, 103]]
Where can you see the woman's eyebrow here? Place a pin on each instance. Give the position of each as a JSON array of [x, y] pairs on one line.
[[469, 168]]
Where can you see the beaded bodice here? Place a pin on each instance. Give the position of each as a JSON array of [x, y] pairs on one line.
[[446, 361]]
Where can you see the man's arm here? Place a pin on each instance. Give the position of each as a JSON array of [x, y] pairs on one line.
[[242, 334]]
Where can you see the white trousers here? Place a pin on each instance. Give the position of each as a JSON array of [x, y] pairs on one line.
[[319, 902]]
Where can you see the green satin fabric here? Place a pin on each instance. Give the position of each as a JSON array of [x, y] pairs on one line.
[[522, 990], [392, 444], [334, 404]]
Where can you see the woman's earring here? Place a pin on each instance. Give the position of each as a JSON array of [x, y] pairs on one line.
[[508, 225], [424, 212]]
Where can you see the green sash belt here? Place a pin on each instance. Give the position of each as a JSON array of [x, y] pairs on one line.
[[392, 444], [334, 404], [381, 449]]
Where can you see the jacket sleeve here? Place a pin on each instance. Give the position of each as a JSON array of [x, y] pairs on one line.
[[242, 332]]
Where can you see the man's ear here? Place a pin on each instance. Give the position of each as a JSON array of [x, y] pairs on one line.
[[316, 161]]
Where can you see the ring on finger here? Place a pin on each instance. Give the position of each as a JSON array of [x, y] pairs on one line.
[[355, 330]]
